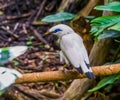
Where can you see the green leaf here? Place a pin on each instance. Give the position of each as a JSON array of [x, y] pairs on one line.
[[101, 23], [2, 91], [30, 46], [105, 81], [16, 63], [106, 20], [45, 58], [29, 43], [31, 38], [61, 16], [117, 61], [115, 27], [114, 6], [117, 41], [109, 34]]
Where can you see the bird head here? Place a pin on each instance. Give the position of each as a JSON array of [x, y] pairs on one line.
[[60, 30]]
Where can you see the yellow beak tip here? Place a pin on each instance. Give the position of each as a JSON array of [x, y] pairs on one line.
[[47, 32]]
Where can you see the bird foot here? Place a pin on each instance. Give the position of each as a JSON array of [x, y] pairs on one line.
[[63, 70]]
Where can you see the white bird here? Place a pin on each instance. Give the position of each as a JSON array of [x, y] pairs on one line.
[[7, 77], [72, 49], [9, 53]]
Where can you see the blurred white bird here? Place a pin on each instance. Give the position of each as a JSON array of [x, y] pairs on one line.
[[7, 78], [9, 53], [72, 49]]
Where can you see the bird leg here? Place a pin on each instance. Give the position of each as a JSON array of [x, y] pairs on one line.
[[63, 69]]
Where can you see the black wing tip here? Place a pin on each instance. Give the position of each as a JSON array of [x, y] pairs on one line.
[[79, 70], [90, 75], [87, 64]]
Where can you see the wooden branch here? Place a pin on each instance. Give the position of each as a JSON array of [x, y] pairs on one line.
[[68, 75]]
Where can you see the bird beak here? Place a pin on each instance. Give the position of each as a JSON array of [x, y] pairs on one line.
[[47, 32]]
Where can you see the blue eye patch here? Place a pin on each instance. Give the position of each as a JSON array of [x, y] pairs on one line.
[[56, 30]]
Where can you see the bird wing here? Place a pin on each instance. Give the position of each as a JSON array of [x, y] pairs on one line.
[[8, 77], [63, 58], [74, 50]]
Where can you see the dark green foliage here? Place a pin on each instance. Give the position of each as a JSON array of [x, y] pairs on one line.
[[109, 34], [61, 16], [105, 81], [107, 26], [104, 23], [114, 6]]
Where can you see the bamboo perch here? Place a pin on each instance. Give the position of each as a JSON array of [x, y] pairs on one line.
[[68, 75]]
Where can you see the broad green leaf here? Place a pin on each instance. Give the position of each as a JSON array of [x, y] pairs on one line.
[[101, 23], [115, 27], [61, 16], [114, 6], [109, 34], [105, 81], [106, 20]]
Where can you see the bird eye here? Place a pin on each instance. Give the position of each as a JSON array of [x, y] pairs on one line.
[[3, 72], [57, 30]]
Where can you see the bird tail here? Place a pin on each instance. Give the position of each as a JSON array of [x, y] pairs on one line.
[[89, 73]]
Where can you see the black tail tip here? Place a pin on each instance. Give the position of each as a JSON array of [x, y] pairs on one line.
[[90, 75]]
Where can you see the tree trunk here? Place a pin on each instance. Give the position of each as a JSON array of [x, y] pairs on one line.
[[64, 4]]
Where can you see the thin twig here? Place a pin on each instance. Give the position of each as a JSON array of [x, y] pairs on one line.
[[7, 5], [38, 35], [17, 17], [40, 10], [10, 32]]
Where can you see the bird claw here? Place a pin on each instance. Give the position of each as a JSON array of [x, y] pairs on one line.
[[63, 70]]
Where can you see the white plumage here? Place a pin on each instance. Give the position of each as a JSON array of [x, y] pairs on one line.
[[72, 49], [9, 53], [16, 51], [8, 77]]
